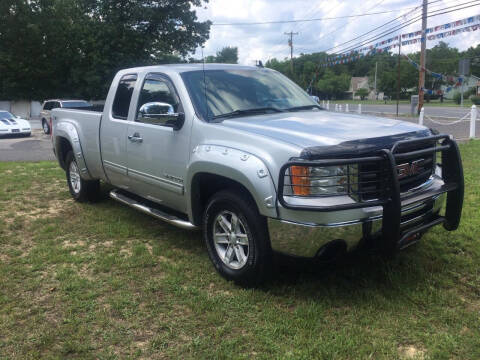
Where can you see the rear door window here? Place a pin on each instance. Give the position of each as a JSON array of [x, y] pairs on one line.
[[48, 105], [123, 96]]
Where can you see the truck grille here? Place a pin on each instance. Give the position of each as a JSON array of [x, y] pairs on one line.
[[412, 171]]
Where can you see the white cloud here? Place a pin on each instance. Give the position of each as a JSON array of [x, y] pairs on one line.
[[268, 41]]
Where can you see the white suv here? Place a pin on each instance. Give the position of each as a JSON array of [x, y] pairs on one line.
[[48, 105]]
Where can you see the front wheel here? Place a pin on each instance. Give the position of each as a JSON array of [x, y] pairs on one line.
[[237, 238], [80, 189]]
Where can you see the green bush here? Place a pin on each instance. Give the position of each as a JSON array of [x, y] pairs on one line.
[[475, 99]]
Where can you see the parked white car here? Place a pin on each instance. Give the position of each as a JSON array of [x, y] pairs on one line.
[[13, 125], [48, 105]]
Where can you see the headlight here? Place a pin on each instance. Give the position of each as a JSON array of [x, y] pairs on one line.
[[323, 180]]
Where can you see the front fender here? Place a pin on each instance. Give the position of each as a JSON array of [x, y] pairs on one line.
[[69, 132], [239, 166]]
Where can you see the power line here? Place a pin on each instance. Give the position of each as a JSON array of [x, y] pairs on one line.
[[314, 19], [404, 24]]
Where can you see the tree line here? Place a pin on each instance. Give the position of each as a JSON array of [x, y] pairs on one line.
[[333, 82], [73, 48]]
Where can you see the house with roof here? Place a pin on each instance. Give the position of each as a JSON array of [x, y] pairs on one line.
[[362, 82]]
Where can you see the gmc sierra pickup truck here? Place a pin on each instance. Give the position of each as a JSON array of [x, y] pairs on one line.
[[251, 158]]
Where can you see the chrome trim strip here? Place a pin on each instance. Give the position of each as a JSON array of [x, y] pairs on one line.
[[115, 167], [173, 220], [155, 180]]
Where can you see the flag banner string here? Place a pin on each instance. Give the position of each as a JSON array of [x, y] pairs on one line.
[[443, 34], [355, 53], [457, 80]]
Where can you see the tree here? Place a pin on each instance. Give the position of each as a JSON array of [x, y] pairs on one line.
[[62, 48], [362, 92], [228, 55]]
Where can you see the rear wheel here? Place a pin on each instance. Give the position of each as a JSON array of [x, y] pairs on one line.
[[45, 126], [237, 239], [80, 189]]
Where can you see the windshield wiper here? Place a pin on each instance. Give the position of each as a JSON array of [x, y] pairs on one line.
[[304, 107], [247, 112]]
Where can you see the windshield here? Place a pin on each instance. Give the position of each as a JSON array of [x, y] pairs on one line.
[[6, 115], [75, 104], [235, 92]]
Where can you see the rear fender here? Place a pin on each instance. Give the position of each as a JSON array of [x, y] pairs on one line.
[[68, 131]]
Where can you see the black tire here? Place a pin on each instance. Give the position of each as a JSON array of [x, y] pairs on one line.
[[88, 190], [258, 265], [45, 126]]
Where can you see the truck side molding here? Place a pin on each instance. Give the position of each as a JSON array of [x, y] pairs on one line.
[[238, 166]]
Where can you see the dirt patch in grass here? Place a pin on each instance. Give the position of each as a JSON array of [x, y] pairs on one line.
[[411, 352]]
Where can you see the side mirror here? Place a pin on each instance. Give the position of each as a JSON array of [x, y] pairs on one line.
[[315, 98], [160, 113]]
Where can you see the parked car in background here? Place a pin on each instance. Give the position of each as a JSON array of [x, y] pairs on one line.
[[48, 105], [13, 125]]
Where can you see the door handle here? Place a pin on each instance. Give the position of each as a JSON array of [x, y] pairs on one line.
[[135, 137]]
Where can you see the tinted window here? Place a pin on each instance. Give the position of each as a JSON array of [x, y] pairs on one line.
[[121, 103], [56, 104], [6, 115], [75, 104], [225, 91], [48, 105]]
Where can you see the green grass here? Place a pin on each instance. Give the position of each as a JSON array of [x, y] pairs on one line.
[[102, 281]]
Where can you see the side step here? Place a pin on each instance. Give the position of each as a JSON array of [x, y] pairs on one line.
[[171, 219]]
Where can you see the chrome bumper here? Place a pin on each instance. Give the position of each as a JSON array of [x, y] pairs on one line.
[[306, 240]]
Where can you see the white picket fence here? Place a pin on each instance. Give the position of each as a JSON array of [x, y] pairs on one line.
[[471, 117]]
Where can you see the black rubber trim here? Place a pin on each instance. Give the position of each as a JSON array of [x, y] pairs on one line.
[[403, 242]]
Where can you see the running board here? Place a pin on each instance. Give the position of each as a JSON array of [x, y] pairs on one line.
[[171, 219]]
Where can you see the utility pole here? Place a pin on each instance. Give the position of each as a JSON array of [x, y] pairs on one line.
[[290, 43], [398, 69], [376, 97], [421, 78]]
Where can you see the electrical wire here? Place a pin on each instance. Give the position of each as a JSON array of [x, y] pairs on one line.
[[315, 19], [403, 25]]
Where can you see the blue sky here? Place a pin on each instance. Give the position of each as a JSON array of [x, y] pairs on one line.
[[268, 41]]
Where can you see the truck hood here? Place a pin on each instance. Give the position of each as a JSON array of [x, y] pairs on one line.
[[321, 128]]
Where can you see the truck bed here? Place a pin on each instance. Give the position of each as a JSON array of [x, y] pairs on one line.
[[87, 124]]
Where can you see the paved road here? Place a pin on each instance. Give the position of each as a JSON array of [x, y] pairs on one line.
[[34, 148], [455, 112]]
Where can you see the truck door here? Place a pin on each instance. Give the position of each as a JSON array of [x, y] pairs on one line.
[[113, 133], [158, 154]]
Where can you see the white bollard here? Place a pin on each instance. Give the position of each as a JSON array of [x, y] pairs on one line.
[[328, 104], [336, 107], [340, 108], [420, 118], [323, 103], [473, 119], [346, 108], [359, 109]]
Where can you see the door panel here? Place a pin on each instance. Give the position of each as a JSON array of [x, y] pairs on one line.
[[157, 154], [113, 134]]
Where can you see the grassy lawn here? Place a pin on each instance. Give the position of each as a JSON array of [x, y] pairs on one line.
[[102, 281]]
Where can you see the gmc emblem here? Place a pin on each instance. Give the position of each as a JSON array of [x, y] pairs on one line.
[[409, 169]]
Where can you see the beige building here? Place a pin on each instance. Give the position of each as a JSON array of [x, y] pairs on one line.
[[362, 82]]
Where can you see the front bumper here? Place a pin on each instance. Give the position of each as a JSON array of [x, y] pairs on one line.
[[396, 221], [12, 131]]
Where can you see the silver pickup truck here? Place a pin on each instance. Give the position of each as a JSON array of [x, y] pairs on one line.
[[248, 156]]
